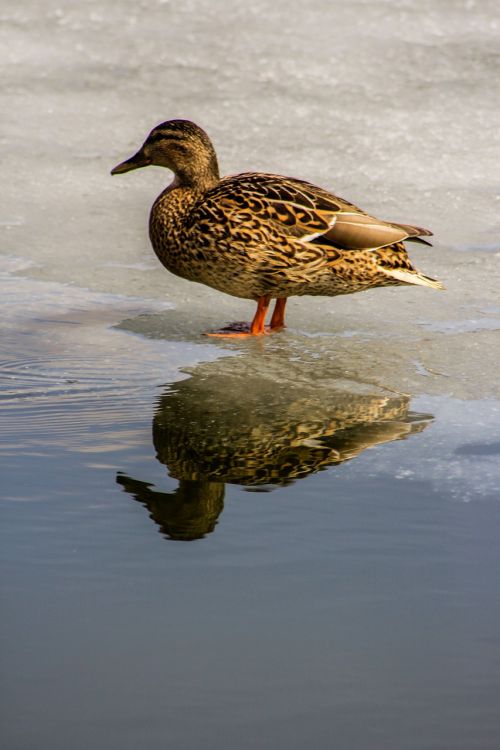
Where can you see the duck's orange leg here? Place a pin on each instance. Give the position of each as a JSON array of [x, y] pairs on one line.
[[278, 317], [256, 328]]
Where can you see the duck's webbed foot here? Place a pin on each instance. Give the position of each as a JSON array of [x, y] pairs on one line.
[[237, 330], [257, 327]]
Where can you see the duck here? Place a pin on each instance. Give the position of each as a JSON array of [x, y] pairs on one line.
[[263, 236]]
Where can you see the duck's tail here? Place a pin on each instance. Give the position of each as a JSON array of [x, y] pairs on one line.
[[413, 277]]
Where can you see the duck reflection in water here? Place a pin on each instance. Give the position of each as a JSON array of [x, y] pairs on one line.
[[236, 427]]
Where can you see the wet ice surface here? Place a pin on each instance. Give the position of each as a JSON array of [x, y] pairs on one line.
[[338, 482]]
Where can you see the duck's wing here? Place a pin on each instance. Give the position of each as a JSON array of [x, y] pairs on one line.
[[355, 230], [307, 213]]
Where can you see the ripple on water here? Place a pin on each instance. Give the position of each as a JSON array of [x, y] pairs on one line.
[[77, 403], [66, 375], [41, 378]]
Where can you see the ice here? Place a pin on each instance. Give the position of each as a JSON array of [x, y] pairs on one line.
[[393, 104]]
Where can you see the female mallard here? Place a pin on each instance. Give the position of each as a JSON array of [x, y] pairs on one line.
[[262, 236]]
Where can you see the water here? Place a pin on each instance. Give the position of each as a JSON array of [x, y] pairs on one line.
[[261, 544]]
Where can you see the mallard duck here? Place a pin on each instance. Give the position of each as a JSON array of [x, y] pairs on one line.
[[264, 236]]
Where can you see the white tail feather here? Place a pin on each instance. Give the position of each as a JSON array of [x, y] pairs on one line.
[[407, 277]]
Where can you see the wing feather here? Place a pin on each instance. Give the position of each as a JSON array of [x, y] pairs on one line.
[[306, 213]]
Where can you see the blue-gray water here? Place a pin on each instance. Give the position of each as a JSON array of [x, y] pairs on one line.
[[273, 544]]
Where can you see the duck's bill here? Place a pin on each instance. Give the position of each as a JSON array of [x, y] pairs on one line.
[[135, 162]]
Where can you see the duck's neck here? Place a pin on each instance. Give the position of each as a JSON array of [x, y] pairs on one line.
[[200, 173], [200, 181]]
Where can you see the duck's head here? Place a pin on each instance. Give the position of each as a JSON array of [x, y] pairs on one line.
[[182, 147]]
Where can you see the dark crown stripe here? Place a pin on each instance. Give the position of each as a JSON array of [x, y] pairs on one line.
[[167, 136]]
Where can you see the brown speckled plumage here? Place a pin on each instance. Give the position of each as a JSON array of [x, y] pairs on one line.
[[263, 236]]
